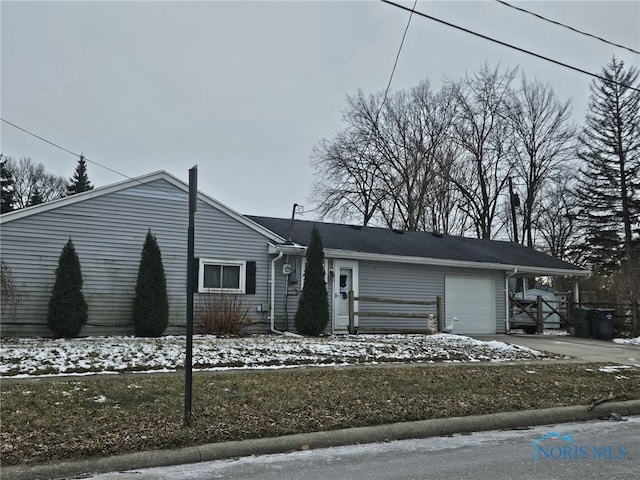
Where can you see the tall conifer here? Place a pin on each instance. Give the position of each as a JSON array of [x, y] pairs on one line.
[[80, 181], [68, 310], [151, 302], [312, 316], [609, 188]]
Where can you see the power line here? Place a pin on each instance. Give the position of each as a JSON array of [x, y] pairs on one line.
[[77, 155], [395, 64], [566, 26], [528, 52], [62, 148]]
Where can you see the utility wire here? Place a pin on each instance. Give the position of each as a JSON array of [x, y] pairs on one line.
[[395, 64], [528, 52], [62, 148], [566, 26], [77, 155]]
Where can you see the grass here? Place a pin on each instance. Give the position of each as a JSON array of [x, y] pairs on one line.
[[62, 419]]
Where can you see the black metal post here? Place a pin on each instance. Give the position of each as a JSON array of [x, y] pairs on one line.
[[188, 369]]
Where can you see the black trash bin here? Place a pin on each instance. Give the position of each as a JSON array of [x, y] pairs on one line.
[[581, 323], [602, 323]]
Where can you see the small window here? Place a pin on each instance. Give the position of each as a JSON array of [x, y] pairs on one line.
[[221, 276]]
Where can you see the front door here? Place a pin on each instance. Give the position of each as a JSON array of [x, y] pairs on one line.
[[345, 279]]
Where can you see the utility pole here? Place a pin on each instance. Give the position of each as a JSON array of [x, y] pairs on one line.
[[514, 201]]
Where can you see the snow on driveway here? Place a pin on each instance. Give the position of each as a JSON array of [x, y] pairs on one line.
[[35, 357], [627, 341]]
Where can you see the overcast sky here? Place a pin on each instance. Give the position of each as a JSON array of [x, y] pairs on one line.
[[246, 89]]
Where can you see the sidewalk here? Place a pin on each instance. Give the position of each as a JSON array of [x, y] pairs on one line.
[[395, 431]]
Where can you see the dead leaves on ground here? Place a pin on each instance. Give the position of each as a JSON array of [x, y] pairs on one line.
[[56, 419]]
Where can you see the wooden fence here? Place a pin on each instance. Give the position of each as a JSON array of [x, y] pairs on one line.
[[627, 315], [539, 310], [352, 314]]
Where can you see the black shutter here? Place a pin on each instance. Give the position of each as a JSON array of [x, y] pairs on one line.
[[250, 280]]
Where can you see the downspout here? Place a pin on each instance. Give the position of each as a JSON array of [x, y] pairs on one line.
[[272, 313], [507, 302]]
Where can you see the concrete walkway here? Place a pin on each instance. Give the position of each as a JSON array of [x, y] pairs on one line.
[[579, 349]]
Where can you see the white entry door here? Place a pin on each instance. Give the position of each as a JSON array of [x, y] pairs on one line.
[[345, 278]]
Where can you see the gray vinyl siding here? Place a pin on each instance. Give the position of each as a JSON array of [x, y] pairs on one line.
[[108, 233], [394, 281], [415, 282], [287, 297]]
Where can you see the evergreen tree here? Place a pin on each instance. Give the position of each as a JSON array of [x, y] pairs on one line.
[[609, 187], [151, 302], [35, 198], [312, 316], [68, 310], [80, 181], [8, 198]]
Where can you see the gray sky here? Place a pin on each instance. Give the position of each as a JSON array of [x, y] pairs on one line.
[[246, 89]]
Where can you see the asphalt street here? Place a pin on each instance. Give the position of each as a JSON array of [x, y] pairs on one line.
[[596, 449]]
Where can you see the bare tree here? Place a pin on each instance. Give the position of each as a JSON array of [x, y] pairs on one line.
[[543, 141], [396, 131], [384, 164], [346, 184], [483, 132], [557, 218], [31, 181]]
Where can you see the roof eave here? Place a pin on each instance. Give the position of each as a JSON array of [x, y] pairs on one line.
[[355, 255]]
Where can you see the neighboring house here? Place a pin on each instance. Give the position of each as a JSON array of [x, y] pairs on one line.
[[263, 258]]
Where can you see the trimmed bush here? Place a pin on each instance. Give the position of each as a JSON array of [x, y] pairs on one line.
[[68, 311], [223, 315], [150, 313], [9, 294], [312, 316]]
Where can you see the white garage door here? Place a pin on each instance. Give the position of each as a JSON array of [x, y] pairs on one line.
[[469, 305]]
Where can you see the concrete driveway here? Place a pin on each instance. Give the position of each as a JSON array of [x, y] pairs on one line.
[[583, 349]]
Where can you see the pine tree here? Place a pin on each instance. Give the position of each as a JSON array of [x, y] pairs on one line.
[[8, 198], [312, 316], [68, 310], [80, 181], [609, 188], [151, 303], [35, 198]]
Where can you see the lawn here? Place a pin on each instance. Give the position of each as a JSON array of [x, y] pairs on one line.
[[29, 357], [48, 419]]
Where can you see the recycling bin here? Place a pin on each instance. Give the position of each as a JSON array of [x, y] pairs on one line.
[[581, 323], [602, 323]]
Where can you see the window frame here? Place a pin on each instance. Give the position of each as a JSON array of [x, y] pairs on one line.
[[242, 280]]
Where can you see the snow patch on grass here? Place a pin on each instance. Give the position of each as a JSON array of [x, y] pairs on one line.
[[98, 355]]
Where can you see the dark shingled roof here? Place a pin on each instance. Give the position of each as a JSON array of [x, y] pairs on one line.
[[414, 244]]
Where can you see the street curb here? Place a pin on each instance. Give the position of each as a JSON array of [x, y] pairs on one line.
[[335, 438]]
